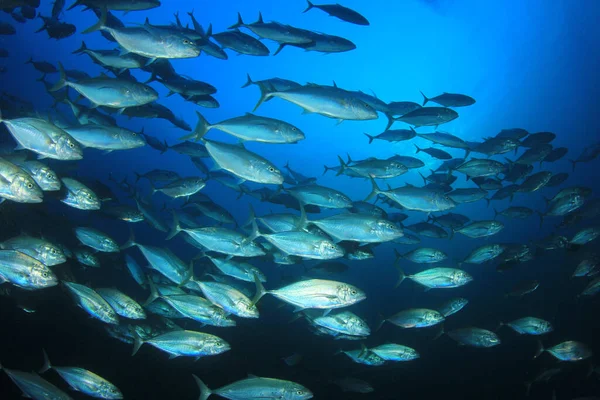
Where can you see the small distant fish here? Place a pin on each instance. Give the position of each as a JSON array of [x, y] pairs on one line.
[[475, 337], [293, 360], [452, 306], [530, 326], [416, 318], [354, 385], [255, 387], [341, 12], [566, 351], [524, 288], [450, 100]]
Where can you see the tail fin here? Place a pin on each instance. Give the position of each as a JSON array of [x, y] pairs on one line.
[[540, 349], [30, 61], [390, 122], [418, 149], [176, 228], [327, 169], [425, 99], [380, 322], [205, 392], [424, 179], [500, 325], [251, 216], [47, 364], [370, 138], [308, 6], [541, 219], [62, 81], [342, 167], [495, 212], [279, 48], [401, 275], [202, 126], [265, 91], [375, 190], [130, 242], [440, 332], [100, 24], [153, 292], [81, 49], [137, 343], [239, 22], [249, 81], [574, 162], [260, 290]]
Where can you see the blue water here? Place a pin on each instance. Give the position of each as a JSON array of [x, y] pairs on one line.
[[529, 64]]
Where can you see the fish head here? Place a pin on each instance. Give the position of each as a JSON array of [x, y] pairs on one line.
[[140, 93], [25, 189], [387, 230], [52, 255], [216, 345], [181, 46], [490, 339], [106, 390], [358, 327], [545, 327], [267, 173], [349, 294], [253, 249], [329, 250], [49, 179], [68, 148], [361, 109], [340, 200], [432, 317], [459, 303], [461, 277], [132, 139], [87, 199], [246, 308], [291, 133], [410, 354], [295, 391], [41, 276]]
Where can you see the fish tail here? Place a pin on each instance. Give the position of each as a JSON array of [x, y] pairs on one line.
[[528, 388], [249, 81], [153, 292], [47, 364], [309, 5], [425, 99], [342, 166], [488, 201], [130, 242], [62, 81], [424, 179], [279, 48], [30, 61], [401, 275], [205, 392], [137, 177], [375, 191], [264, 95], [500, 325], [100, 24], [380, 321], [440, 332], [75, 4], [495, 212], [202, 126], [251, 216], [303, 219], [349, 160], [137, 343], [418, 149], [574, 162], [260, 290], [370, 137], [81, 49], [390, 122], [326, 169], [175, 229], [239, 22], [540, 349]]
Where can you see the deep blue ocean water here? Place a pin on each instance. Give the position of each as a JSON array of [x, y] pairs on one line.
[[529, 64]]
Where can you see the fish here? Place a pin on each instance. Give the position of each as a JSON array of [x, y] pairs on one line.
[[539, 138], [109, 92], [485, 253], [467, 195], [530, 326], [428, 116], [314, 293], [393, 135], [523, 288], [43, 175], [448, 140], [415, 198], [96, 239], [228, 298], [199, 309], [435, 153], [592, 289], [24, 271], [416, 318], [255, 387], [481, 229], [377, 169], [475, 337], [588, 154], [320, 196], [43, 138], [450, 100], [147, 40], [274, 31], [328, 101], [34, 386], [123, 305], [241, 43], [84, 381], [185, 343], [422, 255], [237, 269], [585, 236], [364, 356], [92, 303], [42, 250], [354, 385], [358, 227], [343, 322], [535, 182], [428, 230], [518, 212], [569, 350], [340, 12], [395, 352], [437, 278], [106, 138], [254, 128], [184, 187], [476, 167]]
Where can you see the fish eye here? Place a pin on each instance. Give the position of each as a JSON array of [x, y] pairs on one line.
[[185, 41], [44, 274], [271, 169], [300, 392], [71, 145], [29, 186], [353, 292], [294, 128]]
